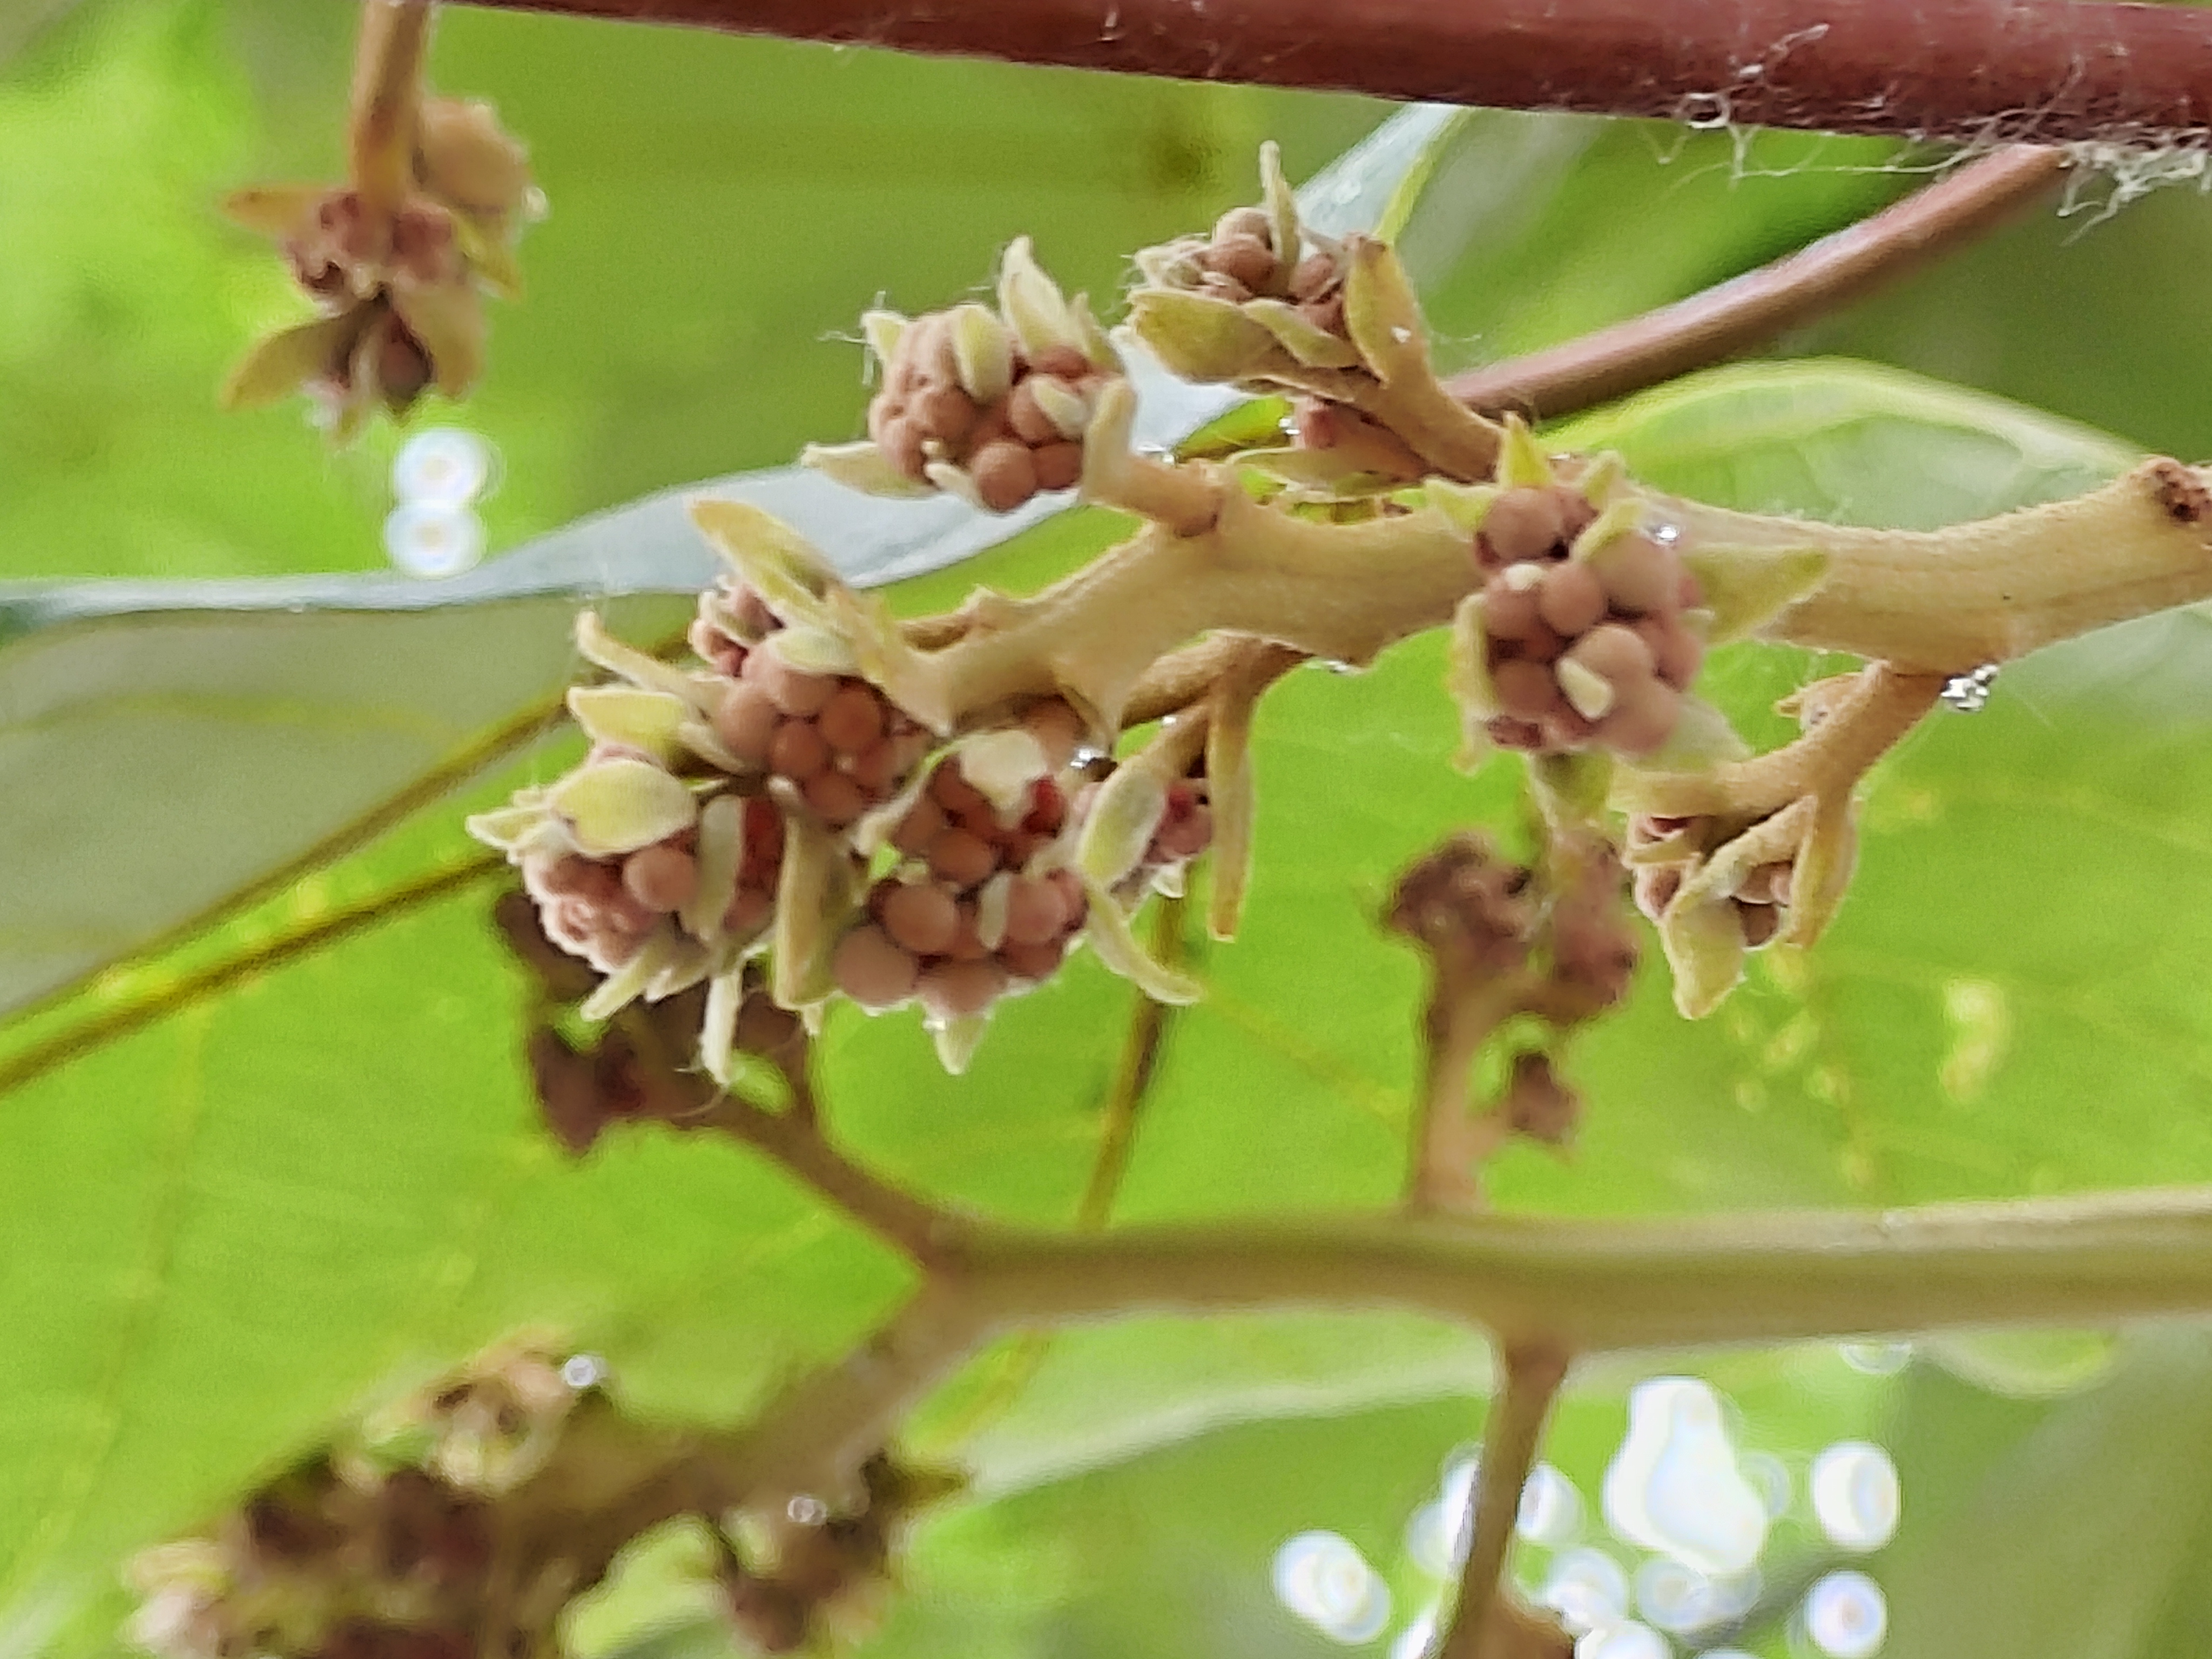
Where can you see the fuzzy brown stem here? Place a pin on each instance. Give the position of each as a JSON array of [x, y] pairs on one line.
[[1973, 71], [794, 1141], [1531, 1374], [1743, 315], [387, 95]]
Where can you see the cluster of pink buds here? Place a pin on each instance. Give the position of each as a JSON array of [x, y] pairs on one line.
[[843, 744], [603, 910], [1240, 261], [991, 405], [1028, 439], [1587, 645], [982, 902]]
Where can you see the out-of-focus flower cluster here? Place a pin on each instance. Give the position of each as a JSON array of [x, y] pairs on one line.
[[398, 286], [450, 1531]]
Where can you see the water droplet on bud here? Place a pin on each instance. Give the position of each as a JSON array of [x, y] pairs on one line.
[[583, 1371], [1969, 694]]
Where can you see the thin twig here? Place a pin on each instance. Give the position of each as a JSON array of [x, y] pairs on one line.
[[1529, 1378], [388, 93], [1964, 71], [794, 1140], [1595, 1286], [1750, 311], [263, 957]]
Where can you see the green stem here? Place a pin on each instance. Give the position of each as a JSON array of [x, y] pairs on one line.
[[1596, 1286]]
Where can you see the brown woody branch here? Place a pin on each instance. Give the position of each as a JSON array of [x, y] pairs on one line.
[[1752, 310], [1969, 71]]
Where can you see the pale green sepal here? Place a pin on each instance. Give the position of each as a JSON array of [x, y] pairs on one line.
[[718, 1031], [286, 361], [1702, 739], [1382, 315], [1123, 817], [1466, 678], [1703, 941], [1202, 338], [1281, 204], [956, 1040], [1466, 506], [983, 349], [1613, 522], [632, 718], [1744, 588], [1602, 477], [1316, 347], [638, 667], [874, 830], [785, 570], [1106, 928], [955, 482], [1068, 409], [509, 827], [1033, 304], [1588, 692], [1002, 765], [1171, 264], [1821, 871], [688, 963], [882, 329], [699, 741], [623, 987], [1521, 462], [813, 902], [618, 804], [272, 210], [812, 650], [489, 255], [862, 466], [720, 851], [1097, 346]]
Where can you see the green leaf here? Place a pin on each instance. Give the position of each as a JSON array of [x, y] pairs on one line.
[[1986, 1572]]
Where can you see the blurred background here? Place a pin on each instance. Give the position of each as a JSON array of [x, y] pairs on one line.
[[721, 211]]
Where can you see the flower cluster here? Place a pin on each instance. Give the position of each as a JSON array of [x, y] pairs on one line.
[[444, 1535], [992, 406], [1261, 299], [397, 260], [775, 801], [812, 1573], [1519, 956], [1720, 884], [1586, 633]]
